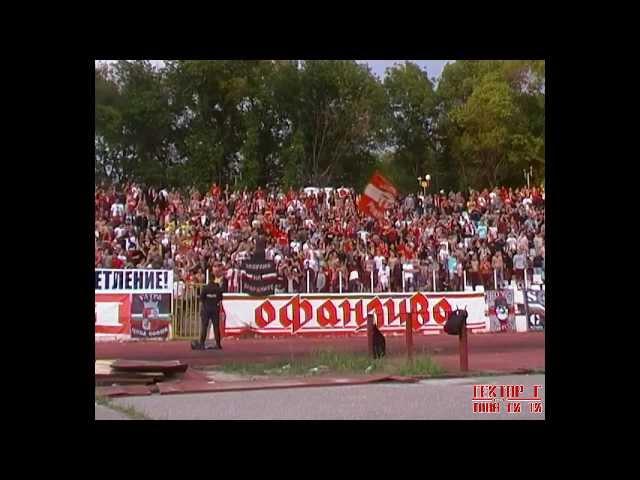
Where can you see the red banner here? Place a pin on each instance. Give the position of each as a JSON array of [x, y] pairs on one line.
[[379, 195], [113, 314]]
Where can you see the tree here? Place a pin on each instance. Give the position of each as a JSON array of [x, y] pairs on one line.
[[147, 119], [484, 119], [338, 111], [293, 160], [490, 121], [411, 103], [317, 122], [266, 125], [210, 100], [109, 143]]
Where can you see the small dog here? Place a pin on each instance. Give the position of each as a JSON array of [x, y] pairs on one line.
[[379, 343]]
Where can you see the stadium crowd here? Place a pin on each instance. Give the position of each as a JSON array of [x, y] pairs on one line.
[[319, 239]]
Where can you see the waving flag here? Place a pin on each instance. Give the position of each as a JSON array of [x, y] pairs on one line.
[[379, 195]]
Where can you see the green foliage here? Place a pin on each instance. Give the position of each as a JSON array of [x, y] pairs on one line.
[[250, 169], [403, 179], [491, 121], [293, 157], [411, 103], [319, 122]]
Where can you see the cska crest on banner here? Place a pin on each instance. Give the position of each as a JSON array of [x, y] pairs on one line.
[[379, 195]]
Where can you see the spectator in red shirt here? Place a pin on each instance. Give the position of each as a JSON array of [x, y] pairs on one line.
[[218, 223]]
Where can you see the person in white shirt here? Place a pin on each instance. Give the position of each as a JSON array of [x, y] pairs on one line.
[[523, 244], [407, 267], [268, 253], [384, 274], [354, 280], [519, 265], [117, 210], [321, 280], [179, 288], [378, 260], [443, 255], [120, 231], [538, 242], [511, 243], [313, 262]]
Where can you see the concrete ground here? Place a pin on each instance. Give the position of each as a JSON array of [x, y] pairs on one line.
[[444, 399], [105, 413]]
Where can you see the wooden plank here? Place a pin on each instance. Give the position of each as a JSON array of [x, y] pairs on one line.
[[171, 366]]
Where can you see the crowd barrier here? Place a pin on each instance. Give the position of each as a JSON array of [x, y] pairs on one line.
[[412, 281]]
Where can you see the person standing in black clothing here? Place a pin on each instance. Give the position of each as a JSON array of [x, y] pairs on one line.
[[211, 302]]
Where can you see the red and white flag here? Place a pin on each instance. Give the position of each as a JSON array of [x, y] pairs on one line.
[[379, 195]]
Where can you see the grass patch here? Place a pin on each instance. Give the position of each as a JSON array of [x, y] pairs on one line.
[[130, 412], [245, 368], [328, 361], [421, 365]]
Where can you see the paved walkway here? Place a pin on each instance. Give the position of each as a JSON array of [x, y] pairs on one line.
[[105, 413], [426, 400]]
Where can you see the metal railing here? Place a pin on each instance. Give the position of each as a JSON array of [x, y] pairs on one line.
[[186, 311], [186, 299], [410, 281]]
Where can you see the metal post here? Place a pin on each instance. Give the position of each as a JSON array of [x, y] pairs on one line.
[[464, 353], [434, 280], [207, 275], [525, 279], [307, 280], [403, 280], [464, 280], [371, 275], [495, 279], [409, 334], [340, 277]]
